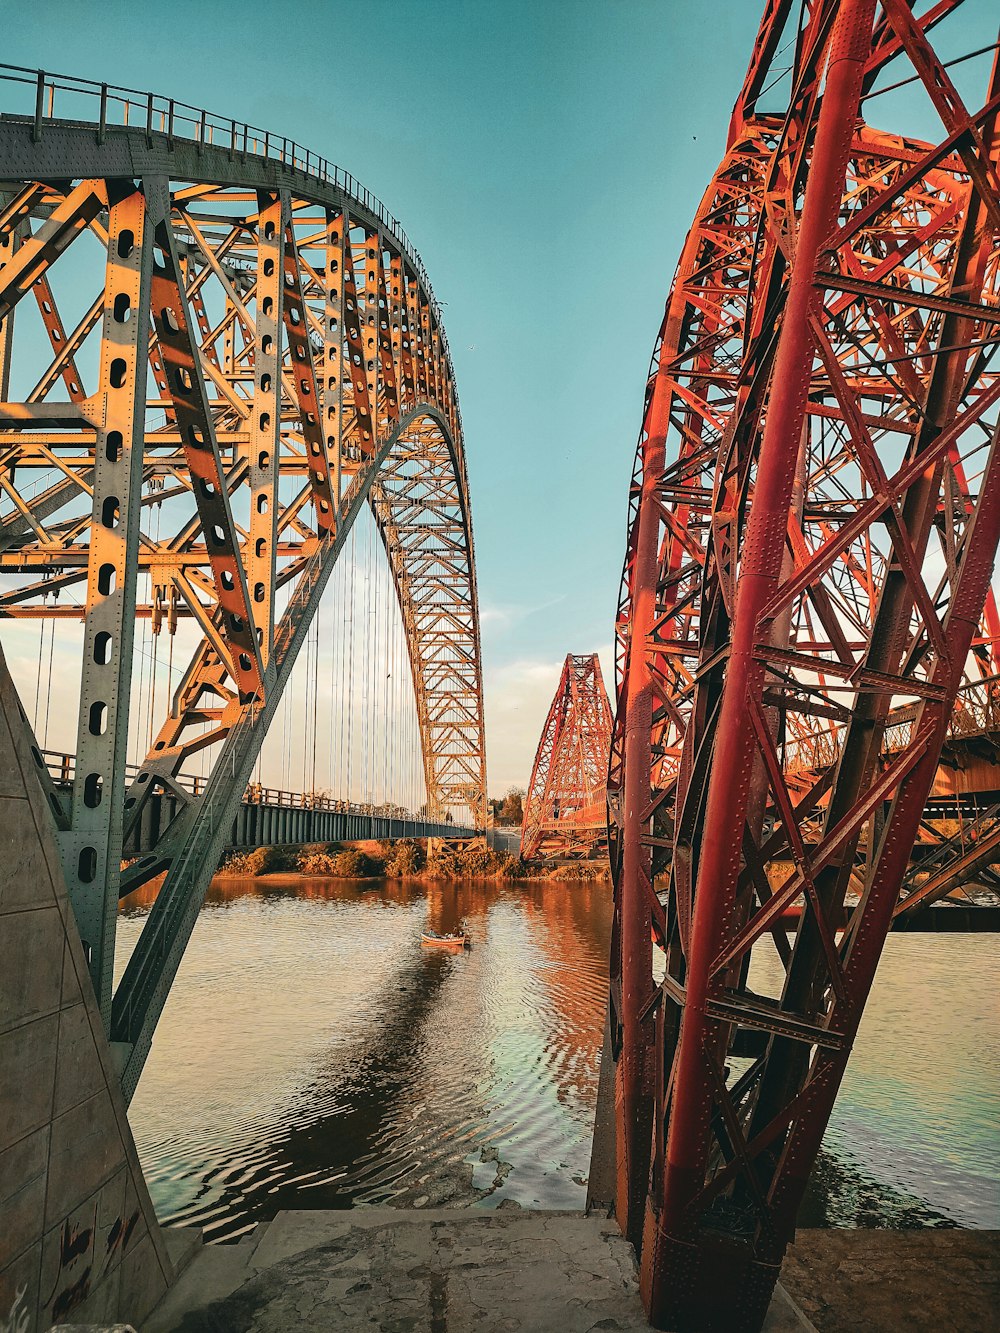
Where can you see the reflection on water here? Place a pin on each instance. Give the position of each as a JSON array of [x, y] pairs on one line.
[[313, 1055], [919, 1110]]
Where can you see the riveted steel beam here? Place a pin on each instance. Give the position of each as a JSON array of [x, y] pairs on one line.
[[205, 360], [91, 846], [265, 438], [333, 346]]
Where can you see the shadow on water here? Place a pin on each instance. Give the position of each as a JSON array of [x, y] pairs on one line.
[[384, 1071], [313, 1055]]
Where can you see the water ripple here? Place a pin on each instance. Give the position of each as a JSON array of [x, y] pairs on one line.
[[312, 1054]]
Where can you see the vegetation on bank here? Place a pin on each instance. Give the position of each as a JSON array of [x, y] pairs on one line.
[[394, 860], [508, 810]]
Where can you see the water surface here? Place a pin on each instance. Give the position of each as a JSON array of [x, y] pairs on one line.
[[313, 1055]]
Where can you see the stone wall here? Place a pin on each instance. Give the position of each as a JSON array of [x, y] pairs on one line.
[[79, 1240]]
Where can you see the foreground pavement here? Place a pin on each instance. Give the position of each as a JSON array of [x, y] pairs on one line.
[[419, 1271], [931, 1280]]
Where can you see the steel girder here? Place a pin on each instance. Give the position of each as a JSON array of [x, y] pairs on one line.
[[254, 356], [814, 517], [565, 808]]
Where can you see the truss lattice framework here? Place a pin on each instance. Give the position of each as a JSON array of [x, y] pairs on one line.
[[565, 813], [814, 517], [253, 354]]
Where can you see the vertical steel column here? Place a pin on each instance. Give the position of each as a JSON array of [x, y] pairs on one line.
[[632, 968], [415, 327], [92, 847], [434, 342], [369, 329], [364, 408], [333, 344], [672, 1267], [10, 239], [395, 304], [408, 390], [426, 350], [265, 424], [388, 348]]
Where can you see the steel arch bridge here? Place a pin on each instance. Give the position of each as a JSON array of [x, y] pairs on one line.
[[806, 619], [241, 335]]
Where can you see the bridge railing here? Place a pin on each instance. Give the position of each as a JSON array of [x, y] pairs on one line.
[[110, 105], [62, 770], [976, 713]]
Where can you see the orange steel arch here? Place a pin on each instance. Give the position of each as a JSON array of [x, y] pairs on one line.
[[259, 357]]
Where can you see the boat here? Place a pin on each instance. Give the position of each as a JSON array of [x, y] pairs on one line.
[[457, 941]]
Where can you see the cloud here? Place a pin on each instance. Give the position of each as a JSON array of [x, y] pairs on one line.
[[517, 699], [505, 616]]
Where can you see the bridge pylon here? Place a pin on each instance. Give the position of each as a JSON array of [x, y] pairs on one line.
[[805, 618], [565, 815]]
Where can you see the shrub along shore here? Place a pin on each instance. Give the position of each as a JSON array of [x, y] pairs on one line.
[[396, 859]]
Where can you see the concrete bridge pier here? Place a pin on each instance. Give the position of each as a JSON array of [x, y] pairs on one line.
[[79, 1241]]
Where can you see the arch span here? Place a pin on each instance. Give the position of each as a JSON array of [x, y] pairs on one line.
[[212, 358]]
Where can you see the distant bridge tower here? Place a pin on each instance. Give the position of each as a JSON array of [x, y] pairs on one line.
[[565, 815]]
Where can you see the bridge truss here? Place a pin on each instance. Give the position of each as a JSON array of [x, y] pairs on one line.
[[565, 811], [806, 619], [236, 336]]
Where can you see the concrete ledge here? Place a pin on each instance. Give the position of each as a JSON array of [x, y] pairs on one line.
[[422, 1269], [183, 1243], [91, 1328]]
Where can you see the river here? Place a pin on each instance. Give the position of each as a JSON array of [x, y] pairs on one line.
[[312, 1055]]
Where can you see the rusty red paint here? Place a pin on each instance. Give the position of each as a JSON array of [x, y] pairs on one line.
[[805, 625]]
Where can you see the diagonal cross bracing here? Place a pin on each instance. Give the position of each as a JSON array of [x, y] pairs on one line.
[[286, 369], [807, 638]]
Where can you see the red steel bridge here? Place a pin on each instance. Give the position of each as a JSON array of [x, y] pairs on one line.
[[565, 814], [806, 626], [217, 351]]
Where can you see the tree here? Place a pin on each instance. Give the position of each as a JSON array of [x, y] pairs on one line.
[[512, 809]]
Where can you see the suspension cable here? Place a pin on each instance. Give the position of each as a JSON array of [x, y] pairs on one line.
[[48, 692], [38, 674], [315, 716], [350, 668]]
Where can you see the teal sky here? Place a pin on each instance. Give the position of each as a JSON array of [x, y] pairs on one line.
[[545, 158]]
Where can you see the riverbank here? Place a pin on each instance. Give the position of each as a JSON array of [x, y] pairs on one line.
[[929, 1280], [432, 1269], [399, 859]]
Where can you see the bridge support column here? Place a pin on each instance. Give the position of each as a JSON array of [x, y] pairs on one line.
[[91, 845], [80, 1241]]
